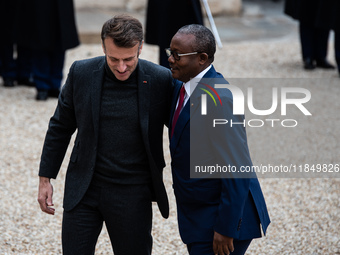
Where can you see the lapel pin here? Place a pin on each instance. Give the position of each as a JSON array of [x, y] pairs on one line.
[[145, 82], [192, 104]]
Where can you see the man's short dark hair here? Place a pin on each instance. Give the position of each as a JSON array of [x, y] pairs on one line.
[[204, 39], [126, 31]]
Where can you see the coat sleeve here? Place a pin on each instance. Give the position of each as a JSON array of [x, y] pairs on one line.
[[61, 127], [229, 143]]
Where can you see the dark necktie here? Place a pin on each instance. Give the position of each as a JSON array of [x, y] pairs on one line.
[[178, 109]]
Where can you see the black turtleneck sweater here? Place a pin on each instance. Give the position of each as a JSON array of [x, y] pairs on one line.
[[121, 157]]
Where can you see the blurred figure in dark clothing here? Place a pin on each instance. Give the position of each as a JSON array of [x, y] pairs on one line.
[[165, 17], [49, 30], [13, 69], [329, 18], [7, 13], [314, 40]]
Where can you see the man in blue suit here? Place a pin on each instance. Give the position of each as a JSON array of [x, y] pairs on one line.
[[215, 215]]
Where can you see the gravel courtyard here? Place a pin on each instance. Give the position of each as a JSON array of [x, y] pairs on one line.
[[305, 212]]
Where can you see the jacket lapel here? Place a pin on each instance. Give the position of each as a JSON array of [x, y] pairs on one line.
[[188, 111], [175, 96], [144, 86], [97, 81], [184, 117]]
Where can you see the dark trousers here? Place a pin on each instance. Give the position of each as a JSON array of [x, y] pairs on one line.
[[127, 213], [48, 69], [314, 42], [15, 68], [8, 61], [337, 48], [24, 63], [206, 248]]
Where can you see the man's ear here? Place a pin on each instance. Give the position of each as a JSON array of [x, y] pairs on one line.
[[140, 47], [103, 47], [203, 58]]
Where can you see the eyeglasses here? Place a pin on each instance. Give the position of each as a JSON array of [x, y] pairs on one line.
[[178, 55]]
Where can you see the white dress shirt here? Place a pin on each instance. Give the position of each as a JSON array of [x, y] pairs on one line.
[[189, 86]]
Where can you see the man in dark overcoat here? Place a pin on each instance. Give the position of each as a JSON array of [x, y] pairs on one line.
[[117, 104]]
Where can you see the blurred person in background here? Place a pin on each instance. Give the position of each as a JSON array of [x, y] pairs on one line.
[[16, 62], [48, 30], [165, 17], [313, 39], [329, 18]]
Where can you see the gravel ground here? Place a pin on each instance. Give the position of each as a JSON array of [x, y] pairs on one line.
[[305, 212]]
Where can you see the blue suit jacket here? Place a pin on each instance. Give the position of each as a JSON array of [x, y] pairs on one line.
[[234, 207]]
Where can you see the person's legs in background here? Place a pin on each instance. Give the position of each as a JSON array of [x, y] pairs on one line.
[[41, 73], [24, 67], [337, 48], [321, 45], [57, 65], [48, 73], [307, 45], [0, 67], [314, 45], [8, 64]]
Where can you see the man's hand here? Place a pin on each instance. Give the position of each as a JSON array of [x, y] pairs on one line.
[[45, 195], [222, 244]]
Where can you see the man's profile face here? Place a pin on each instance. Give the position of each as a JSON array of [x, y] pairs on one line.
[[122, 61], [186, 67]]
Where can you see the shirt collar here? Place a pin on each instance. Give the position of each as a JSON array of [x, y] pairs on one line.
[[189, 88]]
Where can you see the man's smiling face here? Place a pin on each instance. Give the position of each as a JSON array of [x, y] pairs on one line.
[[186, 67], [122, 61]]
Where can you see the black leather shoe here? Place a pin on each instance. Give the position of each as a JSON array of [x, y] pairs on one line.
[[54, 93], [26, 82], [324, 64], [308, 64], [8, 82], [42, 95]]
